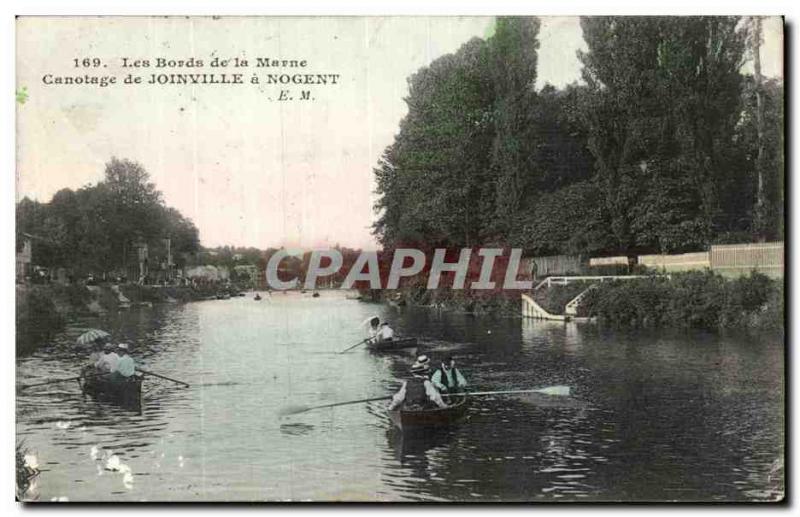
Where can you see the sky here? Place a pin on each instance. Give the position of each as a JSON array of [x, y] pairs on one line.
[[248, 169]]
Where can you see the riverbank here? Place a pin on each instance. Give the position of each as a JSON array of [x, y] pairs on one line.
[[701, 300], [43, 310]]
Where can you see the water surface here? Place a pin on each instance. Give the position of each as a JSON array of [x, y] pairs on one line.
[[655, 416]]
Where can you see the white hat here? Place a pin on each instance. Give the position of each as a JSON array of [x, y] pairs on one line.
[[421, 365], [122, 346]]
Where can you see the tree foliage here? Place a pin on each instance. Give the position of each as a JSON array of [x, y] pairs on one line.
[[655, 152], [91, 230]]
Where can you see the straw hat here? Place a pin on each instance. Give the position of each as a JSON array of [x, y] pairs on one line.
[[422, 364]]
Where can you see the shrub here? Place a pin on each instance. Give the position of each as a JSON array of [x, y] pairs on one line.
[[37, 319], [694, 299]]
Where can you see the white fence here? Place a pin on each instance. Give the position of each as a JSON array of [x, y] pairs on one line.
[[675, 263], [740, 259]]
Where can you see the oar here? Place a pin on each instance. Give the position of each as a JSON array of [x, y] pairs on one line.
[[352, 347], [162, 376], [293, 410], [63, 380], [550, 390]]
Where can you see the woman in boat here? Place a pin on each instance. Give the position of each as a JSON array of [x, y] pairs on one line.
[[374, 327], [448, 378], [108, 361], [418, 392]]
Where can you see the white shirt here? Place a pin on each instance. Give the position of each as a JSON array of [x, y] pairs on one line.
[[385, 333], [108, 362]]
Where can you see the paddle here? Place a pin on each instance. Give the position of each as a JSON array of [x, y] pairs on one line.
[[293, 410], [352, 347], [550, 390], [161, 376]]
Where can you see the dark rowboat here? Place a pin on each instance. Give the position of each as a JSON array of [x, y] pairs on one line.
[[394, 344], [127, 393], [429, 418]]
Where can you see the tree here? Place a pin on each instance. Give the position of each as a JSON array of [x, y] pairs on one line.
[[513, 57], [90, 230], [444, 141], [663, 104]]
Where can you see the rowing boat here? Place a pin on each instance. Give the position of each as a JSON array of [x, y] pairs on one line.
[[406, 419], [393, 344], [126, 393]]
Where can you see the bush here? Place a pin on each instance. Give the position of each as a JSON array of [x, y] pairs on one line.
[[37, 318], [694, 299]]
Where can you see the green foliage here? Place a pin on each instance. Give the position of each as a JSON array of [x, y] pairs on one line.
[[655, 153], [444, 140], [25, 473], [90, 230], [569, 221], [37, 318], [701, 300], [663, 103]]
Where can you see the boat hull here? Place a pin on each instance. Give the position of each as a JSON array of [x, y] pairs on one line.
[[393, 345], [426, 419]]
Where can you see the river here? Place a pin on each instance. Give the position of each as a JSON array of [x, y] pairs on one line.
[[653, 416]]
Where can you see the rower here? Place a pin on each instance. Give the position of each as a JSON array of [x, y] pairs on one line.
[[385, 333], [125, 367], [97, 352], [418, 391], [108, 361], [374, 327], [448, 378]]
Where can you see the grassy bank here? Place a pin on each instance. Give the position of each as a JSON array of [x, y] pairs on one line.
[[701, 300]]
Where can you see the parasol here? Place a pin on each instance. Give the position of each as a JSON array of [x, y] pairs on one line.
[[91, 336]]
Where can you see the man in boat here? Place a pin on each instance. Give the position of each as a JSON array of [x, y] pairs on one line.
[[97, 352], [108, 361], [125, 367], [448, 378], [385, 333], [418, 392]]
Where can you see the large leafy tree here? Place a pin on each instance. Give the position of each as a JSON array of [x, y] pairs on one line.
[[444, 141], [90, 230], [513, 58], [663, 104]]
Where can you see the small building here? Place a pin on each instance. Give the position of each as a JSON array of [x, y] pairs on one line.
[[207, 274], [24, 258]]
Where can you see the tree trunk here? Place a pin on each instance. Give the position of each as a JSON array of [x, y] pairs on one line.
[[761, 223]]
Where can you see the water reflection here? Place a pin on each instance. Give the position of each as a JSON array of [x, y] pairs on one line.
[[655, 416]]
